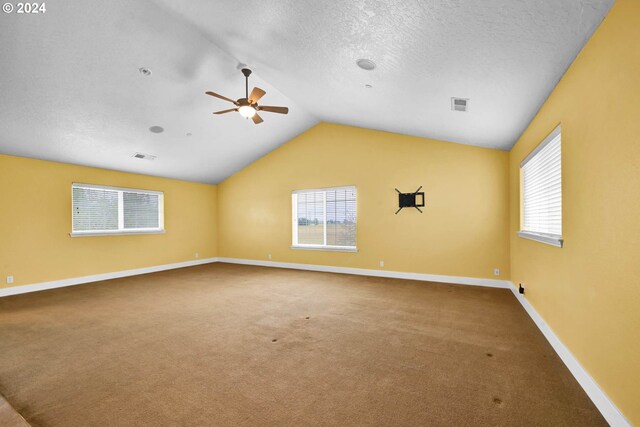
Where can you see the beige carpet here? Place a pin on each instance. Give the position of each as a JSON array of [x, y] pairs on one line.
[[9, 417], [230, 345]]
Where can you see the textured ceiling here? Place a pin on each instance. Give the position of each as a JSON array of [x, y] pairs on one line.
[[71, 90]]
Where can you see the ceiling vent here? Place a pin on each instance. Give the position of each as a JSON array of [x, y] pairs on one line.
[[144, 156], [460, 104]]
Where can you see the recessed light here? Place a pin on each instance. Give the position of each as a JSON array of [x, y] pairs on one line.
[[189, 134], [156, 129], [368, 86], [366, 64], [145, 71]]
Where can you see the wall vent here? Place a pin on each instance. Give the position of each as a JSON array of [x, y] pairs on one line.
[[144, 156], [460, 104]]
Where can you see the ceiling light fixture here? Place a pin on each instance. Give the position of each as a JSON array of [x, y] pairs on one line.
[[156, 129], [144, 71], [368, 86], [366, 64], [247, 111]]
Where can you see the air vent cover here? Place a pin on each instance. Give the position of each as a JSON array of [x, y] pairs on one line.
[[460, 104], [144, 156]]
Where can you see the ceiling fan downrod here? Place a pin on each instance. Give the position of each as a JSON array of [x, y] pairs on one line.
[[247, 73]]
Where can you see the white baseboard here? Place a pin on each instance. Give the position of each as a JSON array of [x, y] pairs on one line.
[[492, 283], [98, 277], [607, 408]]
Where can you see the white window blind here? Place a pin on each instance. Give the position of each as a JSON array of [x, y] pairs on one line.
[[541, 175], [140, 210], [324, 219], [100, 210]]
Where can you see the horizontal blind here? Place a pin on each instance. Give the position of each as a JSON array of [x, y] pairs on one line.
[[341, 217], [112, 210], [311, 218], [542, 188], [94, 209], [325, 217], [140, 210]]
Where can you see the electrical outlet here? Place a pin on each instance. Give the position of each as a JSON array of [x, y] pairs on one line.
[[197, 255], [381, 263], [9, 280], [496, 271], [269, 256]]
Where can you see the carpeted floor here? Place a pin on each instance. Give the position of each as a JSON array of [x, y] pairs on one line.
[[9, 417], [231, 345]]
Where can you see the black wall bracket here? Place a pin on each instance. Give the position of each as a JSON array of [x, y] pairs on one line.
[[410, 200]]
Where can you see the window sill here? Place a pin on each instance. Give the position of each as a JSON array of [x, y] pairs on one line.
[[112, 233], [542, 238], [326, 248]]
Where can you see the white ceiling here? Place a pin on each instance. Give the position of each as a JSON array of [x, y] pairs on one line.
[[71, 90]]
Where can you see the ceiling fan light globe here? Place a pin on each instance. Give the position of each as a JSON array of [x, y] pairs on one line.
[[247, 111]]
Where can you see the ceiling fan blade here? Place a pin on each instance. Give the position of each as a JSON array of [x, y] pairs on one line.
[[226, 111], [271, 109], [256, 94], [221, 97], [257, 119]]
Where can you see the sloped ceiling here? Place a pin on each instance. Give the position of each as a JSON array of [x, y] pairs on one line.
[[71, 90]]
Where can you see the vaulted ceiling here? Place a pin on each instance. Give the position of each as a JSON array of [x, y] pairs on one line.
[[72, 92]]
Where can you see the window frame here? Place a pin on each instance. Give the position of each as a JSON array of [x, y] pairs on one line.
[[550, 239], [121, 231], [294, 221]]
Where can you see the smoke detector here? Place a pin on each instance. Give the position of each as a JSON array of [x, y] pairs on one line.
[[460, 104], [144, 156]]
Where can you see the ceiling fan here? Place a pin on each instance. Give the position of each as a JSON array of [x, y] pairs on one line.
[[248, 106]]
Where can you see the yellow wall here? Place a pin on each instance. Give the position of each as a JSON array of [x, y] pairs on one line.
[[589, 291], [463, 231], [35, 219]]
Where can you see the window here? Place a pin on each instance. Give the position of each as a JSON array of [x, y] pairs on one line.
[[325, 219], [98, 210], [541, 195]]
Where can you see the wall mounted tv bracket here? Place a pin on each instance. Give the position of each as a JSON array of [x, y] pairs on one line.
[[410, 200]]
